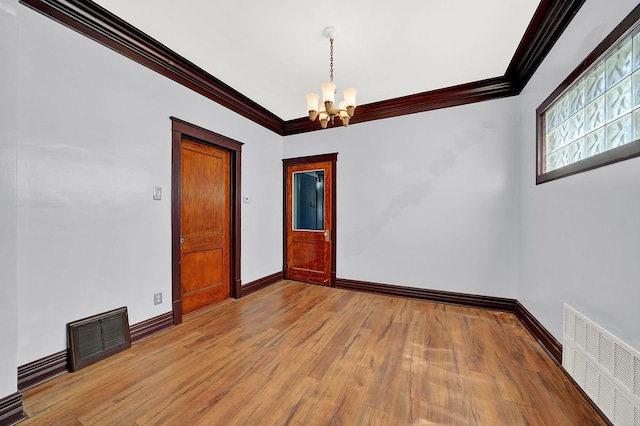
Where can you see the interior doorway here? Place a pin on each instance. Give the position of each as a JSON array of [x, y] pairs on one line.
[[205, 217], [310, 219]]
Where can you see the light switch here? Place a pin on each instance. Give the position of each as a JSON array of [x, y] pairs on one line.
[[157, 193]]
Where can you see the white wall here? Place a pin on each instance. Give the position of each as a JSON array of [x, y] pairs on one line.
[[94, 138], [8, 203], [580, 241], [440, 200], [427, 200]]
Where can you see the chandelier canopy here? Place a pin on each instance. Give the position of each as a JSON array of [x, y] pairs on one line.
[[327, 111]]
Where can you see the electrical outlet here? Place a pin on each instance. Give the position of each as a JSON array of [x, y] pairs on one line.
[[157, 298]]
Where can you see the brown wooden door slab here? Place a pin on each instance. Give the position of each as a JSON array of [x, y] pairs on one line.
[[204, 224], [309, 222]]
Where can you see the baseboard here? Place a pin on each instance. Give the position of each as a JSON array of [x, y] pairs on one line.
[[586, 397], [11, 410], [546, 340], [549, 343], [152, 326], [462, 299], [46, 368], [43, 369], [261, 283]]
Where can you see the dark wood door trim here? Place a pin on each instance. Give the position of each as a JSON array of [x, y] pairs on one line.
[[332, 158], [183, 130]]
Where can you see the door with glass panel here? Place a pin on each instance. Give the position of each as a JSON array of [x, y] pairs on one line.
[[310, 221]]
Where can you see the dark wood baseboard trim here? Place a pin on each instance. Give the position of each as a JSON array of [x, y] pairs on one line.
[[462, 299], [43, 369], [549, 343], [11, 410], [586, 397], [152, 326], [546, 340], [261, 283]]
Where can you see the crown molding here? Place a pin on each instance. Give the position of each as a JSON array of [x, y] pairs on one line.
[[463, 94], [547, 25], [550, 20], [97, 23]]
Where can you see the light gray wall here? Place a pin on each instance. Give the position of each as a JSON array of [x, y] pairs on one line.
[[440, 200], [580, 239], [94, 138], [427, 200], [8, 203]]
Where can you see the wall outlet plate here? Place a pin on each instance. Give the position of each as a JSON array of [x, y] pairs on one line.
[[157, 298]]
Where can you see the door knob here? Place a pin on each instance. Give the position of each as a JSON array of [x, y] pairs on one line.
[[327, 235]]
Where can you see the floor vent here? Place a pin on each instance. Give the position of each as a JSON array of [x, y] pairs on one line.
[[604, 366], [98, 337]]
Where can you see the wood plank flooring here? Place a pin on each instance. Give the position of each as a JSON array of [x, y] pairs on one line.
[[300, 354]]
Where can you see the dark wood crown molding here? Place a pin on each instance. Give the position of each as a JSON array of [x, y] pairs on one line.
[[463, 94], [547, 25], [97, 23], [88, 18]]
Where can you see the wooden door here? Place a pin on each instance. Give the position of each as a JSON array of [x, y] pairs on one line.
[[310, 232], [204, 224]]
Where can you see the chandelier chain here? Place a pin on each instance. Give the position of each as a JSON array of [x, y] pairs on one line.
[[330, 109], [331, 61]]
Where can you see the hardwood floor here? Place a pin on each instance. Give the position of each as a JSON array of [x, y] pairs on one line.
[[303, 354]]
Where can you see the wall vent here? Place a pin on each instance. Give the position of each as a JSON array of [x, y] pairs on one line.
[[98, 337], [605, 367]]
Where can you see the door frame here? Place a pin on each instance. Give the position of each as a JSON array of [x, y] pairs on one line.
[[332, 158], [183, 130]]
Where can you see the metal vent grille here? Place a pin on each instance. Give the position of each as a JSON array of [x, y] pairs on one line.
[[95, 338], [636, 377], [604, 366]]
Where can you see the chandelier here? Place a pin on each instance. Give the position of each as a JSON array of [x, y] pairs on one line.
[[327, 111]]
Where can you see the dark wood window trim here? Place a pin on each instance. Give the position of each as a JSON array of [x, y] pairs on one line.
[[547, 25], [621, 153], [182, 129], [333, 158]]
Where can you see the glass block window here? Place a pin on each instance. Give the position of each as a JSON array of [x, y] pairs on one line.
[[595, 111]]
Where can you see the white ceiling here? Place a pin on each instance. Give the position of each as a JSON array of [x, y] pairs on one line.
[[274, 52]]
